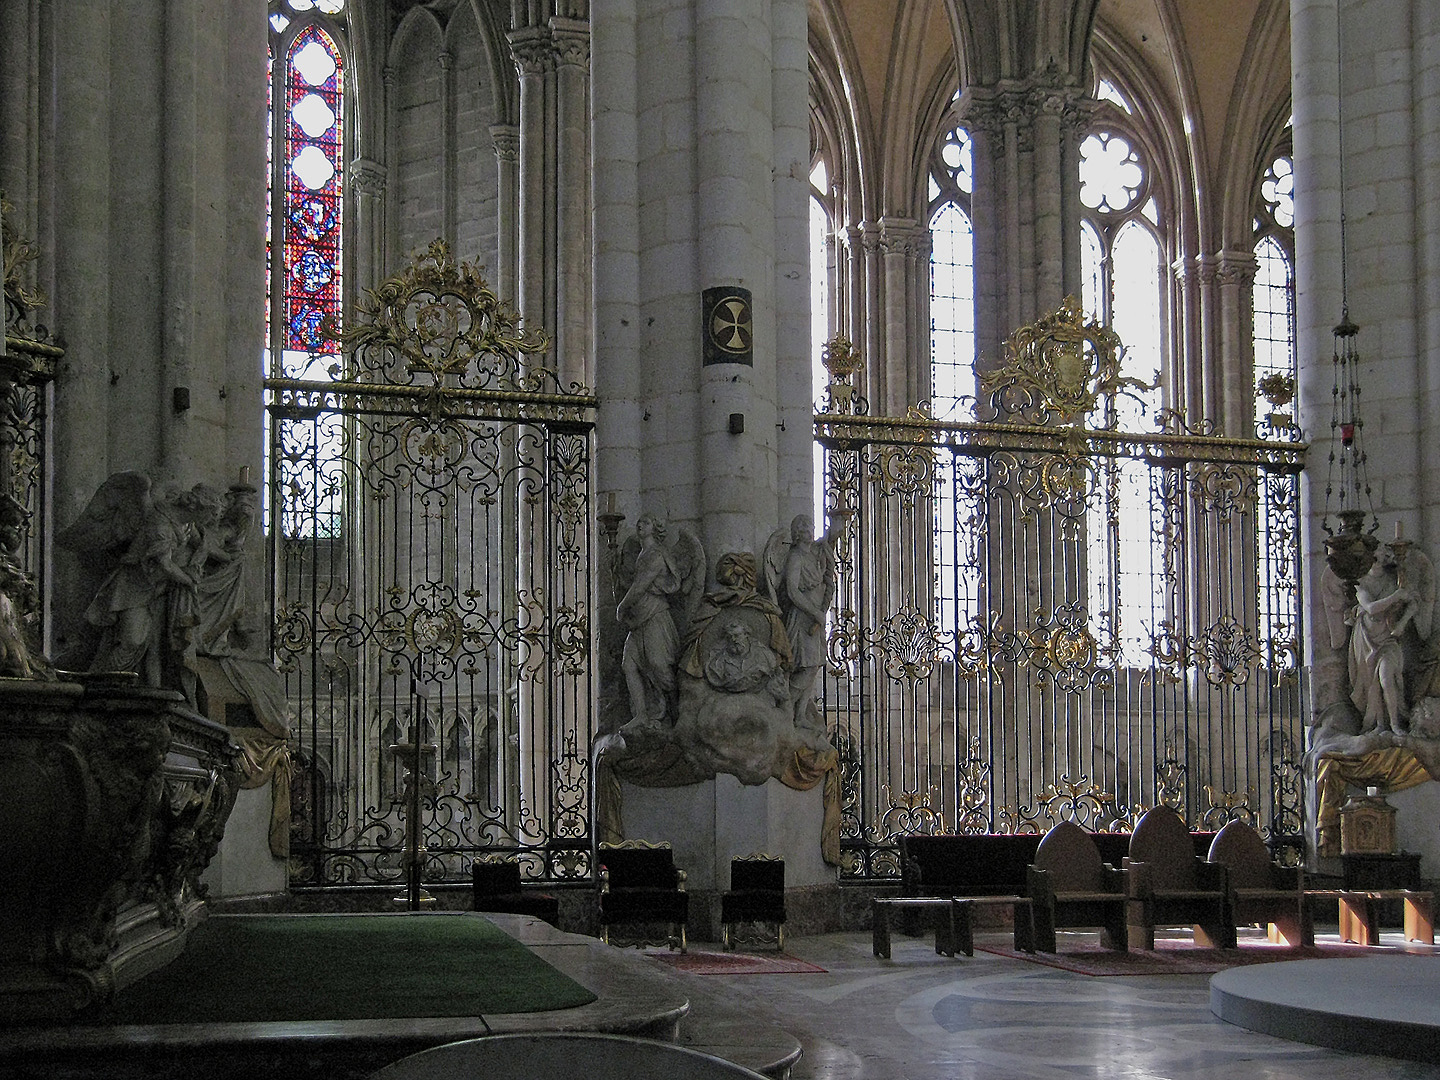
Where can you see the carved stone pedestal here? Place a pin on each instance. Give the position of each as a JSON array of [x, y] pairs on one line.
[[113, 798]]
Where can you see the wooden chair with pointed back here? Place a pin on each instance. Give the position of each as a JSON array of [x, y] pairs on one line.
[[1260, 889], [1069, 886], [1172, 886]]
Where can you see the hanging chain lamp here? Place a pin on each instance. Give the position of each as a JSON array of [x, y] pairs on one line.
[[1349, 522]]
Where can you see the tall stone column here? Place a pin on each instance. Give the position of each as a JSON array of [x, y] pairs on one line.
[[1235, 281], [1027, 211], [572, 199], [534, 52], [366, 216], [904, 343], [448, 164], [701, 183], [393, 251], [506, 138]]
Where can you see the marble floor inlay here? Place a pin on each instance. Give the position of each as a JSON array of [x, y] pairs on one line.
[[919, 1016]]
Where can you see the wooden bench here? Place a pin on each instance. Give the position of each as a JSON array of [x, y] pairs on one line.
[[976, 870], [953, 920], [1360, 913]]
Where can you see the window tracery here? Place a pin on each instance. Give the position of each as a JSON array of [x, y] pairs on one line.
[[1273, 291], [1122, 286], [304, 228], [952, 274]]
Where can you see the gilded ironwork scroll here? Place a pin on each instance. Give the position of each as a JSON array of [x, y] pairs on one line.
[[429, 515], [1049, 614]]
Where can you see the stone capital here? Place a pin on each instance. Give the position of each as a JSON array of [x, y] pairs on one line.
[[1235, 268], [367, 177], [533, 49], [506, 138], [900, 235], [572, 41]]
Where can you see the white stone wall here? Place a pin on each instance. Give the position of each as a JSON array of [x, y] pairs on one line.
[[1384, 67], [419, 138], [476, 179], [1391, 136]]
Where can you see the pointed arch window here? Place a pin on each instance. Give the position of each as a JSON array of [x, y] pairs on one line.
[[304, 229], [821, 293], [1273, 297], [306, 182], [1122, 284], [952, 275], [952, 370], [1273, 293]]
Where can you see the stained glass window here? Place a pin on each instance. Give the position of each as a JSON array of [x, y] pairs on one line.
[[312, 171], [305, 139]]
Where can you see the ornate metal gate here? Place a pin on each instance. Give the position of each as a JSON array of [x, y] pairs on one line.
[[1043, 616], [431, 546]]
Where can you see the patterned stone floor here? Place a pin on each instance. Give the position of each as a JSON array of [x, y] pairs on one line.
[[919, 1016]]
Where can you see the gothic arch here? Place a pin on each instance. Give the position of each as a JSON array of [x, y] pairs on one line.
[[504, 86], [833, 67], [1259, 111], [418, 20], [1011, 41]]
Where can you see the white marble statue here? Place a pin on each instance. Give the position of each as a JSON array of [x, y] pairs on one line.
[[143, 540], [170, 601], [800, 578], [1377, 666], [665, 576]]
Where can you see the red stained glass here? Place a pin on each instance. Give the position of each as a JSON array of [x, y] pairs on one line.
[[313, 171]]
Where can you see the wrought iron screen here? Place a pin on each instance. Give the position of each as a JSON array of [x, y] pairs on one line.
[[431, 546], [1044, 617]]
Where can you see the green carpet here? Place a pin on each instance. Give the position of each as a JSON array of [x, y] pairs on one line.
[[343, 967]]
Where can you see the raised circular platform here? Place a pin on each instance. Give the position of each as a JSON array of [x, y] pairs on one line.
[[1388, 1005]]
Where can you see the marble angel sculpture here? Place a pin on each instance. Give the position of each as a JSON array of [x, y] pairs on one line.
[[1390, 635], [664, 577], [20, 653], [142, 541], [800, 578]]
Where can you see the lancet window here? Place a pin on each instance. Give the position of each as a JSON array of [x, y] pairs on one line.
[[1273, 295], [1274, 288], [952, 361], [952, 275], [820, 306], [304, 227], [1123, 286]]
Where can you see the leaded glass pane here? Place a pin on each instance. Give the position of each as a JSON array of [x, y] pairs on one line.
[[313, 182]]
